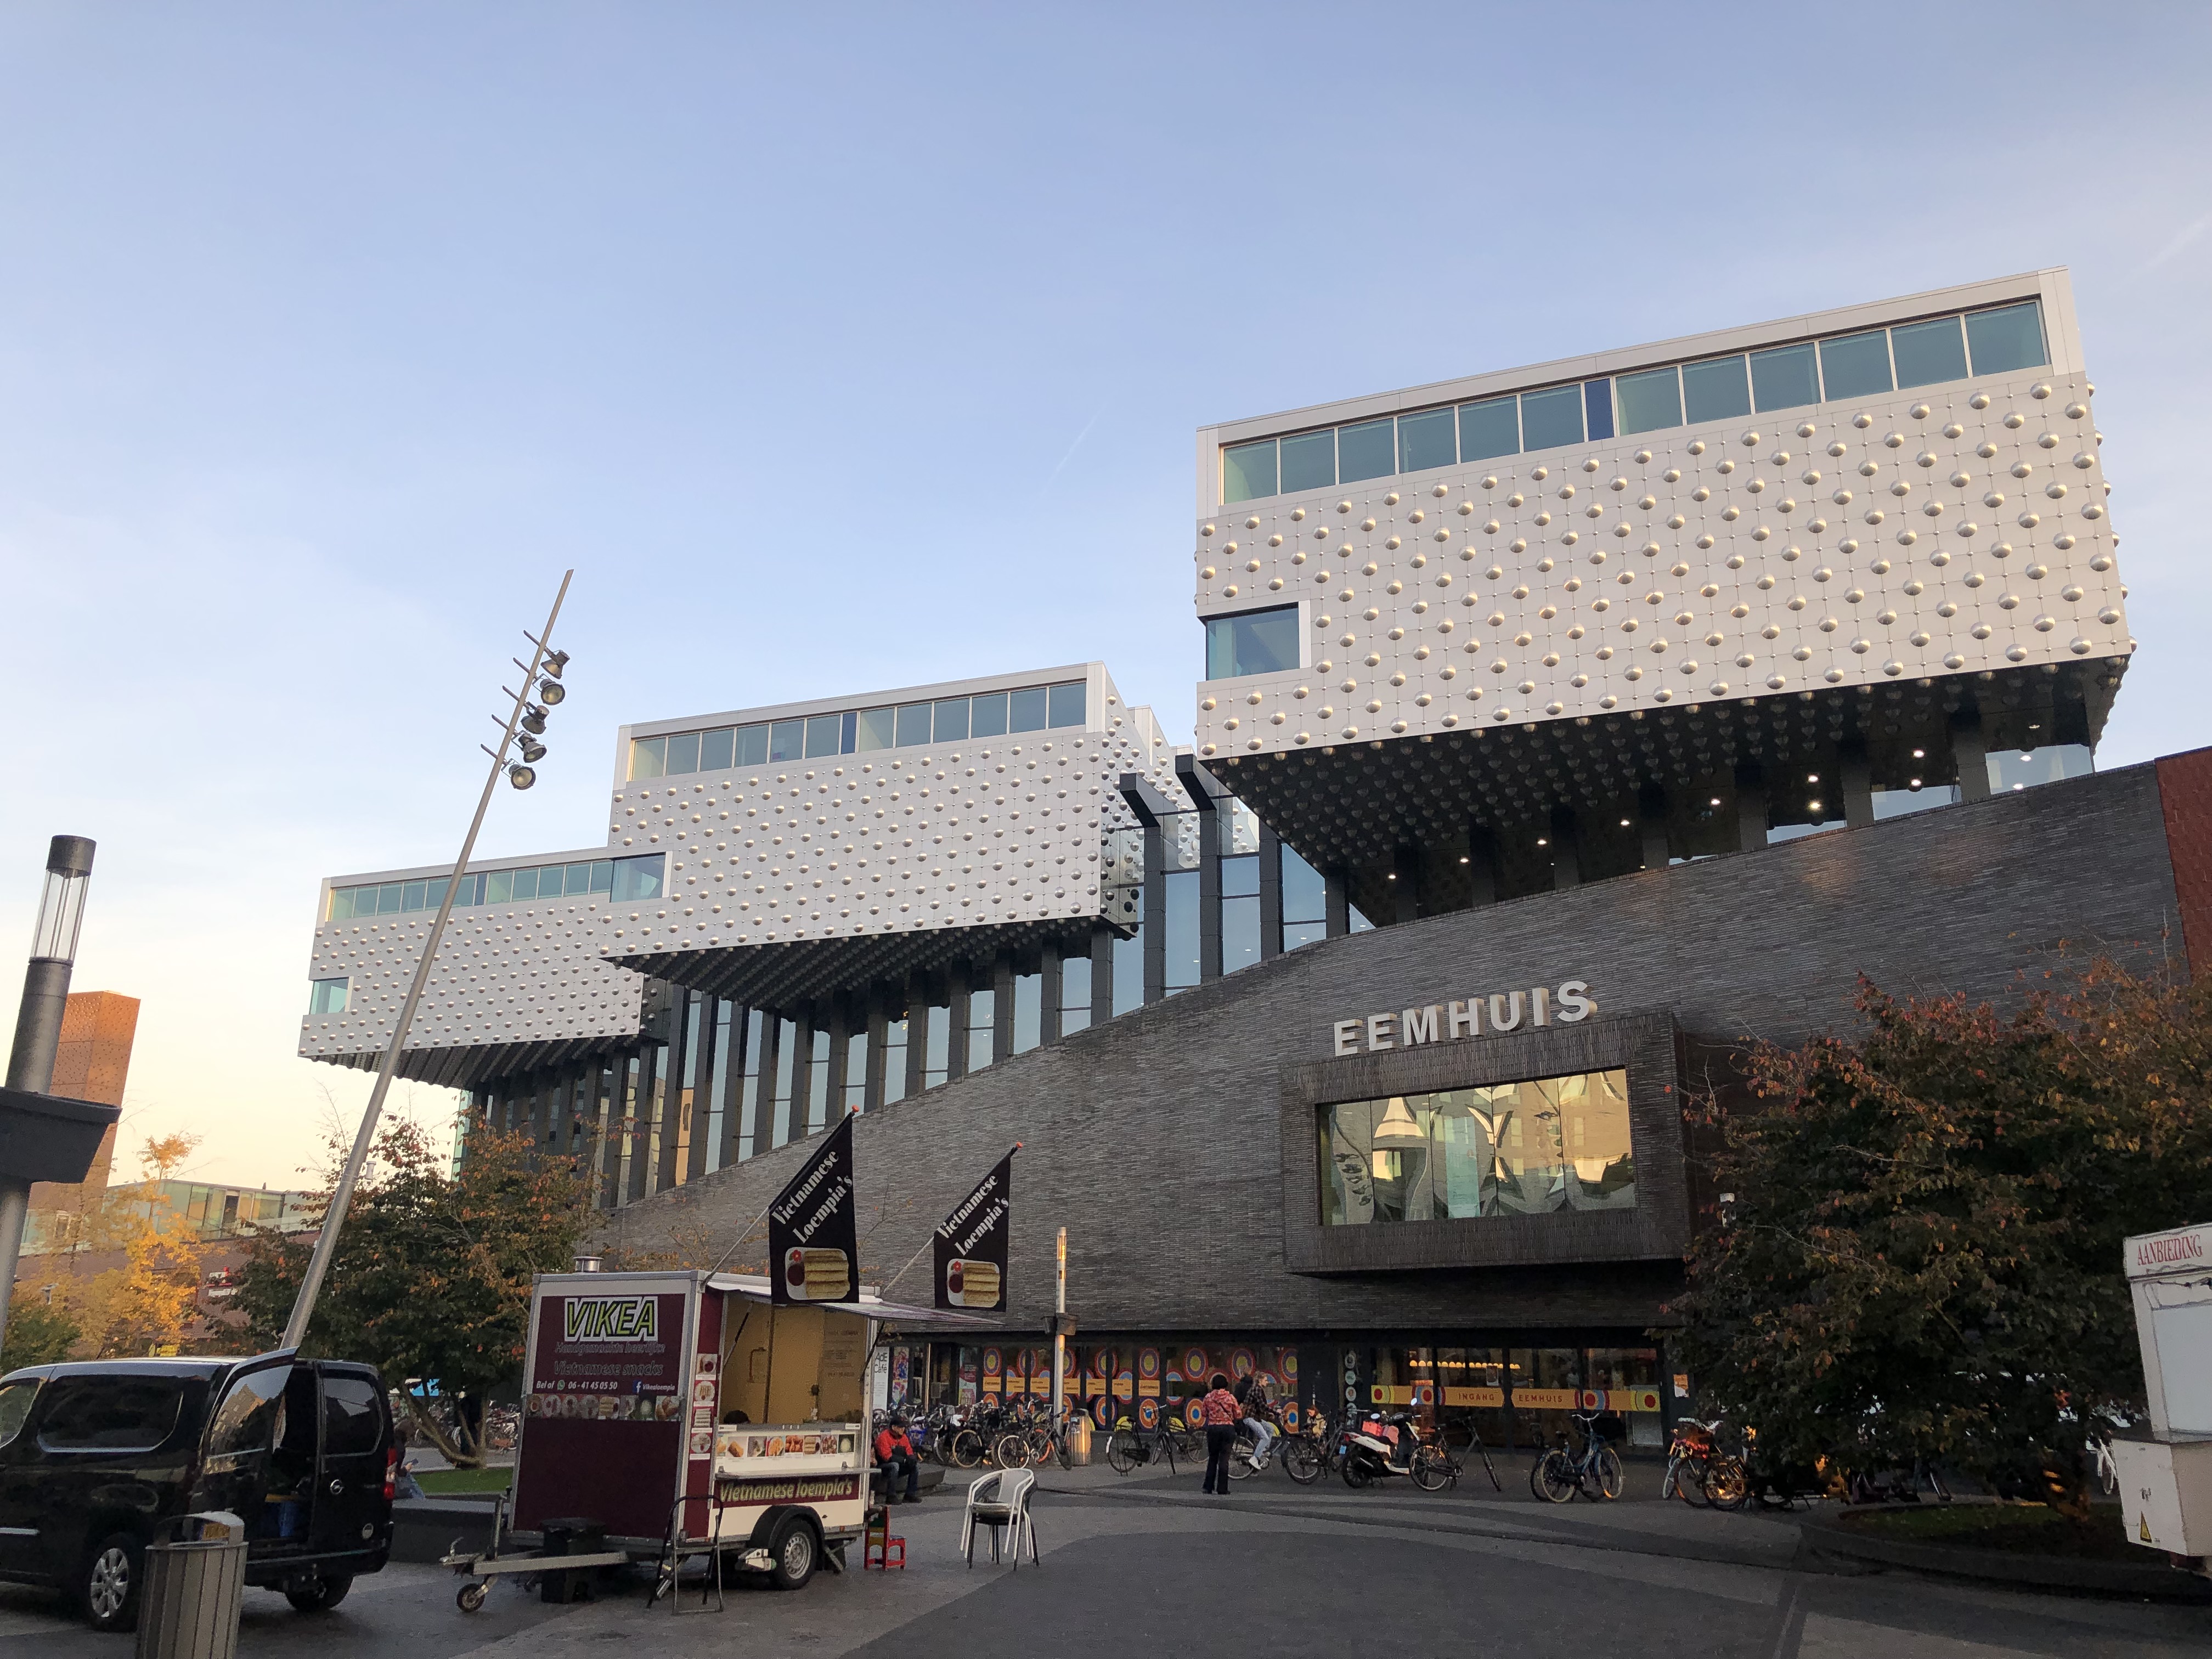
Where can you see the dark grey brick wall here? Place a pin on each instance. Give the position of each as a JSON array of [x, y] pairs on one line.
[[1156, 1138]]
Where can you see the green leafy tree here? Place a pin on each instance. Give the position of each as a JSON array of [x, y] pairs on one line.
[[38, 1334], [431, 1279], [1919, 1255]]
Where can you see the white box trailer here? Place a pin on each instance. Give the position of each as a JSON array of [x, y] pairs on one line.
[[2165, 1482], [676, 1413]]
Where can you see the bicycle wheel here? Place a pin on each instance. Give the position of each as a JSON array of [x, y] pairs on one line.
[[1488, 1468], [1432, 1470], [1241, 1466], [966, 1449], [1555, 1478], [1013, 1451], [1686, 1479], [1122, 1451], [1059, 1444], [1726, 1487], [1608, 1472], [1302, 1460]]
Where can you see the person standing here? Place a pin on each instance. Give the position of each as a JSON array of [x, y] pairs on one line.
[[1219, 1411]]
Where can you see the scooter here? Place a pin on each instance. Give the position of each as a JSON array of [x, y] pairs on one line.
[[1374, 1448]]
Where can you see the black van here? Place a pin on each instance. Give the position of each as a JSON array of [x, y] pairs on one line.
[[98, 1458]]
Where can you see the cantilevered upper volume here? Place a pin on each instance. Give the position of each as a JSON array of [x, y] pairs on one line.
[[814, 846], [840, 848], [1905, 494]]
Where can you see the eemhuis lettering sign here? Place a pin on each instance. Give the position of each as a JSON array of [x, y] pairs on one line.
[[970, 1245], [1499, 1011], [812, 1226]]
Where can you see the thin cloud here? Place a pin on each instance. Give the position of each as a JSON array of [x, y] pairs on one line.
[[2187, 235]]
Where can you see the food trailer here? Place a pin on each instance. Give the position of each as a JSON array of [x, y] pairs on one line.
[[2166, 1482], [670, 1414]]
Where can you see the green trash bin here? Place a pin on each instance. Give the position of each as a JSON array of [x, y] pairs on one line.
[[189, 1606]]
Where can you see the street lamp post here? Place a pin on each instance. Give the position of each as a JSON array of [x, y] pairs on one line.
[[542, 674], [39, 1023]]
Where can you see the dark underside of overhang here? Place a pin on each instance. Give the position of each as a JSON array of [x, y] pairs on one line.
[[463, 1068], [804, 971], [1359, 808]]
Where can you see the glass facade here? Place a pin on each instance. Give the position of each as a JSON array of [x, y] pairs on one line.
[[1939, 349], [328, 996], [1526, 1148], [1305, 902], [859, 730], [625, 880]]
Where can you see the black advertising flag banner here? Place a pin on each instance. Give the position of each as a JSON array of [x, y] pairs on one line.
[[971, 1245], [813, 1246]]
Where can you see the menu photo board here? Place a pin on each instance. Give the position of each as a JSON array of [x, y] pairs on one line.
[[614, 1358]]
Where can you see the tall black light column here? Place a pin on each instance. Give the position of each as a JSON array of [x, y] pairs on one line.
[[542, 675], [38, 1035]]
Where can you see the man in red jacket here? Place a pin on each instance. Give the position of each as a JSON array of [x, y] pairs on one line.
[[895, 1453]]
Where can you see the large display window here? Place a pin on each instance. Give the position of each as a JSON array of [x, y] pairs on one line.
[[1523, 1148]]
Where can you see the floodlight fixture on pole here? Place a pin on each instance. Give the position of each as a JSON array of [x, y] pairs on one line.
[[543, 660]]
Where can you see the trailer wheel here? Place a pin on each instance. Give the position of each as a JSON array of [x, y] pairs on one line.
[[794, 1555], [470, 1597]]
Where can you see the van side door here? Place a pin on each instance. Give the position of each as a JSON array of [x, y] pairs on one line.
[[19, 1527], [241, 1430], [351, 1511]]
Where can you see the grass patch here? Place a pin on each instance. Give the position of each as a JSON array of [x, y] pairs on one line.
[[448, 1483], [2021, 1529]]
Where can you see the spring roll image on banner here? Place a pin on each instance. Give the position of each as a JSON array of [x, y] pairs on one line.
[[813, 1231], [972, 1244]]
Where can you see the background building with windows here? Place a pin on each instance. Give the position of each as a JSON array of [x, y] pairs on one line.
[[1642, 701]]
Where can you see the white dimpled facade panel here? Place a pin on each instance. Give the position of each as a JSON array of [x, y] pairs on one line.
[[1942, 529], [996, 829], [505, 974]]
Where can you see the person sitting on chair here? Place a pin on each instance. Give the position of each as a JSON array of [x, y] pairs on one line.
[[894, 1453]]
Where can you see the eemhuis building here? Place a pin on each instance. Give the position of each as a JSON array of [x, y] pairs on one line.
[[1561, 728]]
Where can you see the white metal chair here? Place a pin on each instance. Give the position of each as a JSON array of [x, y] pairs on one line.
[[1000, 1501]]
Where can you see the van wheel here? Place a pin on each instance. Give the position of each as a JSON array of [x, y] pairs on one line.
[[794, 1556], [320, 1594], [108, 1582]]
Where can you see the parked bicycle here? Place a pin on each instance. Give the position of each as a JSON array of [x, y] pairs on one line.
[[1132, 1448], [1312, 1452], [1561, 1474]]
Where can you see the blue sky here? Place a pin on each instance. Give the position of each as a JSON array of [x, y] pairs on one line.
[[846, 347]]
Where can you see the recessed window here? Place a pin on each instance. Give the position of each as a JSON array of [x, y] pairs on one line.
[[1785, 378], [649, 757], [637, 879], [1550, 420], [1066, 704], [1855, 366], [1651, 400], [1716, 390], [1248, 471], [824, 736], [1027, 710], [1508, 1149], [2007, 338], [1490, 429], [1368, 450], [913, 725], [877, 729], [1255, 642], [717, 749], [1305, 902], [987, 716], [328, 996], [1426, 440], [683, 753], [1597, 409], [752, 745], [786, 741], [949, 723], [1928, 352], [1310, 461]]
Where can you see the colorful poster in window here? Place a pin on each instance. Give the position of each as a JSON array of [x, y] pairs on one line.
[[993, 1366], [1195, 1364], [1148, 1413], [1241, 1363], [1148, 1363], [1103, 1412]]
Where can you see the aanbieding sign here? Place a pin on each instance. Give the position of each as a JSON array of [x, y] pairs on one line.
[[2150, 1254], [1447, 1022]]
